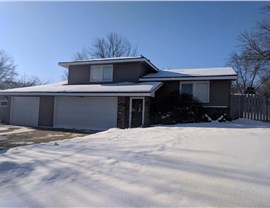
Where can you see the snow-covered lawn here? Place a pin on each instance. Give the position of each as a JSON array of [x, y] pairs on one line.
[[209, 164]]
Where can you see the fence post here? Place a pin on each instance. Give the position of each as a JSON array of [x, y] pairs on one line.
[[267, 109]]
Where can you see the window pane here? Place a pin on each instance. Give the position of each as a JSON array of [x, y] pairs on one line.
[[186, 88], [96, 74], [201, 91], [107, 73]]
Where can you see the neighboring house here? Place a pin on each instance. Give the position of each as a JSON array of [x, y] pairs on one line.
[[112, 92]]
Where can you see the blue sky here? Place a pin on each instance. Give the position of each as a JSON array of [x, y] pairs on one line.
[[171, 34]]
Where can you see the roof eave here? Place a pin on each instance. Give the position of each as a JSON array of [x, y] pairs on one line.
[[113, 94], [146, 93], [229, 77], [67, 64]]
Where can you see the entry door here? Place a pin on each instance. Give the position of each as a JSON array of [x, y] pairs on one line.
[[136, 112]]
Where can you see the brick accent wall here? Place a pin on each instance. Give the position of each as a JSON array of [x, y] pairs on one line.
[[123, 112], [147, 105]]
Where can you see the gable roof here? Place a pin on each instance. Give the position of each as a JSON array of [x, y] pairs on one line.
[[113, 89], [192, 74], [109, 61]]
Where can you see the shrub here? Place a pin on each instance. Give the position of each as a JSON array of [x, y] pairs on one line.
[[182, 108]]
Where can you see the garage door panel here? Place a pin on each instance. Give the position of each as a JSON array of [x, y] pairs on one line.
[[25, 111], [85, 113]]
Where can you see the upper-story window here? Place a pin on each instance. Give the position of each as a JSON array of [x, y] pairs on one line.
[[199, 90], [101, 73]]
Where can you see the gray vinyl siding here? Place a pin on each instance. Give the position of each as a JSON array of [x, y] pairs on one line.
[[46, 107], [79, 74], [220, 91], [145, 69], [5, 111], [46, 110], [122, 72], [166, 89], [126, 72]]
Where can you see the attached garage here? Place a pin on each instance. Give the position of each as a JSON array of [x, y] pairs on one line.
[[24, 111], [96, 113], [82, 106]]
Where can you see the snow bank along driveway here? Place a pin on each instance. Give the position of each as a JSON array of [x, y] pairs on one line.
[[210, 164]]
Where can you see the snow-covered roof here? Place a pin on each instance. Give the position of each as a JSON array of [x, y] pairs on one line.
[[66, 64], [113, 89], [188, 74]]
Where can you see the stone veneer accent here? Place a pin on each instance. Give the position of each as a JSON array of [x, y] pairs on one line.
[[123, 112], [147, 104]]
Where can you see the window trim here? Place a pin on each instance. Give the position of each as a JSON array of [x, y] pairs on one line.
[[102, 68], [197, 82]]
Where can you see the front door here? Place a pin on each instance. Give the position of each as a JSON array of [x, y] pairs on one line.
[[136, 112]]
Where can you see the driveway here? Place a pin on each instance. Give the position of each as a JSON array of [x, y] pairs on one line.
[[13, 136]]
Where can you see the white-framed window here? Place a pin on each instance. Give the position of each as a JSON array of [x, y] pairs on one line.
[[199, 90], [3, 103], [102, 73]]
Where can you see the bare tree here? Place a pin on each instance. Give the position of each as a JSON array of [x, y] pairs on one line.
[[64, 75], [7, 70], [83, 55], [113, 45], [255, 44], [252, 75], [252, 59], [27, 81], [264, 89], [9, 77]]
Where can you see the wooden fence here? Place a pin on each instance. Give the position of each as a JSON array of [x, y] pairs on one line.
[[253, 107]]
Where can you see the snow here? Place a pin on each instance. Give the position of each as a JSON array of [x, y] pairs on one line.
[[204, 164], [62, 87], [200, 72], [103, 59], [208, 118], [111, 60]]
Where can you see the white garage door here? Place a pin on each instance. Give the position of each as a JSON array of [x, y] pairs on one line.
[[24, 111], [94, 113]]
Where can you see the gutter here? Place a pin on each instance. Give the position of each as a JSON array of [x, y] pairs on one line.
[[146, 94], [92, 94], [234, 77]]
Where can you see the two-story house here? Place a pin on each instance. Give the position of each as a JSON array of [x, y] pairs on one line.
[[111, 92]]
